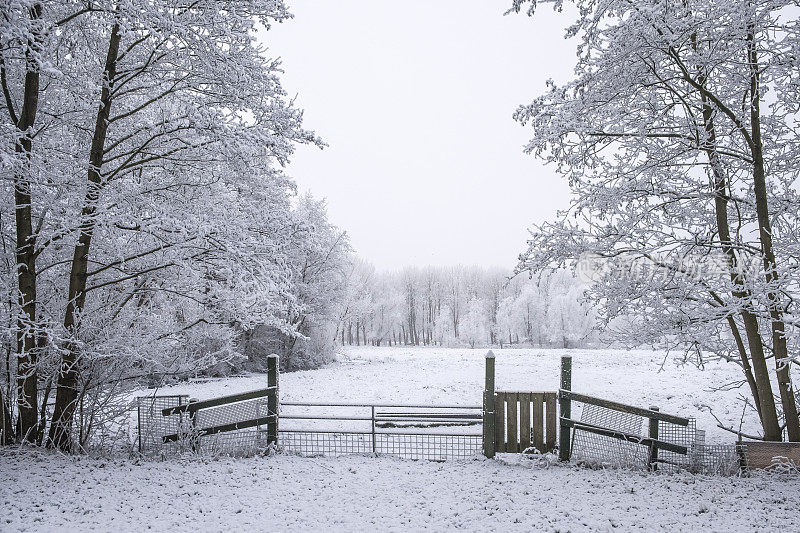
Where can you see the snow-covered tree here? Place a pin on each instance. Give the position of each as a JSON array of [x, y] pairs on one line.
[[152, 224], [683, 178], [473, 323]]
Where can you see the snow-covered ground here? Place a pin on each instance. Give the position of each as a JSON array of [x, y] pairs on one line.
[[40, 491], [456, 376], [45, 492]]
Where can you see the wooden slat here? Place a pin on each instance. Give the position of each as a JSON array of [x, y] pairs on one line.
[[524, 421], [512, 439], [263, 421], [500, 422], [552, 417], [616, 406], [222, 400], [538, 420]]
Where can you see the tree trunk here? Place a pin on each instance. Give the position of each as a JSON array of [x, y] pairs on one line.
[[776, 303], [27, 337], [6, 431], [67, 390], [758, 375]]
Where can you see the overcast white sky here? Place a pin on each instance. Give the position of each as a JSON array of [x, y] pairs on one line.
[[415, 98]]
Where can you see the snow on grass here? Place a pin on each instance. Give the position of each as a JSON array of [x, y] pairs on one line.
[[456, 376], [48, 492]]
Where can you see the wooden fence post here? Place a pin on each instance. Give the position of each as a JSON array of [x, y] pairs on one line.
[[272, 399], [652, 463], [565, 406], [194, 436], [488, 408]]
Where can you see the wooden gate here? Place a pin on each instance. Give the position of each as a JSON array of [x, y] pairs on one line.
[[517, 421], [524, 420]]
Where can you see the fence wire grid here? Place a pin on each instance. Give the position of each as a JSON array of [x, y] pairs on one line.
[[431, 447], [153, 426], [438, 433], [600, 450], [209, 417]]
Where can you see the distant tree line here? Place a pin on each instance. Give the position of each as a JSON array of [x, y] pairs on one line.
[[463, 306]]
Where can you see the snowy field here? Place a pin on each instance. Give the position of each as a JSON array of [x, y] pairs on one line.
[[360, 493], [456, 376], [356, 493]]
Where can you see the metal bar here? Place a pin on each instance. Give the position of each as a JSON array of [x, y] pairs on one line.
[[616, 406], [377, 432], [373, 429], [323, 417], [476, 416], [216, 402], [516, 391], [428, 418], [638, 439], [426, 424], [393, 405]]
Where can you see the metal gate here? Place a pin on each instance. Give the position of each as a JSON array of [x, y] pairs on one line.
[[432, 432]]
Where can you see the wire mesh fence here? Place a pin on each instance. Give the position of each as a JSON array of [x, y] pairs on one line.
[[432, 447], [432, 432], [600, 450], [604, 451], [409, 431], [243, 442], [254, 409], [153, 426]]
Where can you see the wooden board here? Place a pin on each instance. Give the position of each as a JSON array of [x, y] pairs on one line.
[[512, 439], [524, 421], [550, 404], [623, 408], [500, 422], [538, 420], [761, 455]]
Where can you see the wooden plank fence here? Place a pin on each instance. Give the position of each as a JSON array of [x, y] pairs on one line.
[[525, 420]]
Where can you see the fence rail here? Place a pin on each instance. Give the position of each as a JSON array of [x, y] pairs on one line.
[[196, 405], [568, 395]]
